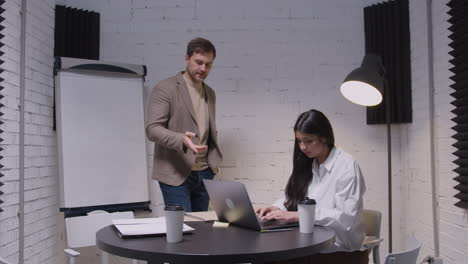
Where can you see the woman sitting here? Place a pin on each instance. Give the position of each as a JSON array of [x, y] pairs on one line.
[[333, 178]]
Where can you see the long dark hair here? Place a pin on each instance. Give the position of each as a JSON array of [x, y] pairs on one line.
[[310, 122]]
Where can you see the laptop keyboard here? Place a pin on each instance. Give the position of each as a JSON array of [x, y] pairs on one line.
[[267, 223]]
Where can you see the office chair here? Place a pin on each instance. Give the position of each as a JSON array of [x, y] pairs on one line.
[[81, 231], [405, 257], [371, 220]]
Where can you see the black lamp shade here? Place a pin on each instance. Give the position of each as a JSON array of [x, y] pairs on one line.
[[365, 85]]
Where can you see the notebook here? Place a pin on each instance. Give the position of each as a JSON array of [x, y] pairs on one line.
[[231, 203], [142, 227]]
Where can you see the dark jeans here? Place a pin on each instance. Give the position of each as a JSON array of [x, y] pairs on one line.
[[191, 194]]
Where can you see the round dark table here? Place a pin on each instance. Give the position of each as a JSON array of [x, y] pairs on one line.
[[217, 245]]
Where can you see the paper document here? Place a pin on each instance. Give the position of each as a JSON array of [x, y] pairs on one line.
[[143, 226]]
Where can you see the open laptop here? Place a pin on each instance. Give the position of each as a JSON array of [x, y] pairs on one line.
[[231, 203]]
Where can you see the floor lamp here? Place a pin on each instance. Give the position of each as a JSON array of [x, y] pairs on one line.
[[367, 86]]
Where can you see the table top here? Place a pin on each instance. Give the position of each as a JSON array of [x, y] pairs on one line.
[[197, 216], [208, 244]]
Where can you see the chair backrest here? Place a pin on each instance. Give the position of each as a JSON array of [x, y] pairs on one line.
[[372, 220], [81, 230], [405, 257], [2, 261]]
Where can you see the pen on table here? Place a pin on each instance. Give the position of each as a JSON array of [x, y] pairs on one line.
[[276, 230], [195, 217]]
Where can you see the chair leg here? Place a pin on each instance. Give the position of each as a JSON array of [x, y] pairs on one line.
[[376, 255], [71, 260], [104, 257]]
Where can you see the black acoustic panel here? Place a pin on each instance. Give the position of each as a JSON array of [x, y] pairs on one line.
[[460, 102], [461, 145], [459, 40], [462, 196], [461, 128], [457, 24], [462, 188], [463, 110], [459, 60], [457, 31], [462, 204], [462, 179], [456, 4], [460, 85], [460, 94], [462, 67], [458, 11], [77, 33], [461, 170], [459, 76], [387, 34], [463, 119], [461, 153], [461, 162]]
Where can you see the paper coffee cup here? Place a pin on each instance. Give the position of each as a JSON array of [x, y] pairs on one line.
[[174, 222], [306, 209]]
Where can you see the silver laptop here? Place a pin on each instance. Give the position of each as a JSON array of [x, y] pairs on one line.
[[232, 204]]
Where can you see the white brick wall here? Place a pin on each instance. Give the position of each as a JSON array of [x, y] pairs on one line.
[[41, 201], [275, 59]]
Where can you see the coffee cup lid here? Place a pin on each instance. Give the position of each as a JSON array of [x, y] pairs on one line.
[[173, 207], [307, 201]]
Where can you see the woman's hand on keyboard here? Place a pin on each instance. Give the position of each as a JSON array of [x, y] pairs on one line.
[[262, 211], [289, 216]]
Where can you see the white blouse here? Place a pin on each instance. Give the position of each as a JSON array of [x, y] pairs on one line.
[[338, 187]]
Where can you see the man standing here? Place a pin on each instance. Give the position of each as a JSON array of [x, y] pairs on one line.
[[181, 122]]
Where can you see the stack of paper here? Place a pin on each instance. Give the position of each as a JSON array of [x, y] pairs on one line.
[[143, 227]]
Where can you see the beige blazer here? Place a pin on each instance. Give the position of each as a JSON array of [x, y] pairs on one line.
[[170, 114]]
